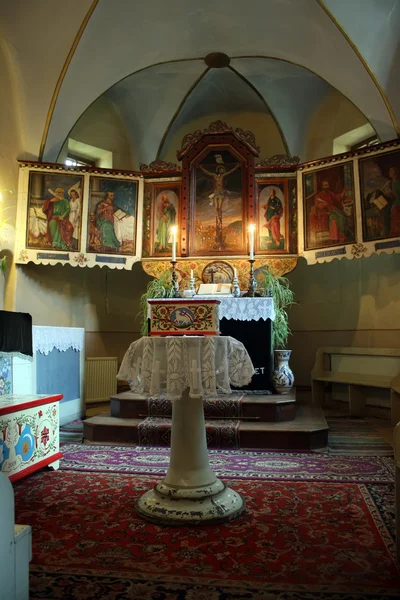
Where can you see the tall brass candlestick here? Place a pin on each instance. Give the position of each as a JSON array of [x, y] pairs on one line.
[[175, 284], [252, 289]]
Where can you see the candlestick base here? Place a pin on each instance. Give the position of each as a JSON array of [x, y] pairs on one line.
[[175, 285], [252, 289]]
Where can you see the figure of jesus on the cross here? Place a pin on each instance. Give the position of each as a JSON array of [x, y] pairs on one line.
[[218, 196]]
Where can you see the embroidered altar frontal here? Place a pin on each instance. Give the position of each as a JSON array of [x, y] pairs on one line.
[[184, 317]]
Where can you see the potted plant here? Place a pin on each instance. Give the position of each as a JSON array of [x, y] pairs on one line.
[[157, 288], [278, 288]]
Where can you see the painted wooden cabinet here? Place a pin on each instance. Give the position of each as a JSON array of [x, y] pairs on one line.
[[29, 433]]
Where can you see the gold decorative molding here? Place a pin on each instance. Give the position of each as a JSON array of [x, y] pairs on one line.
[[62, 76], [364, 63], [159, 166], [191, 139], [279, 266], [279, 160], [391, 144]]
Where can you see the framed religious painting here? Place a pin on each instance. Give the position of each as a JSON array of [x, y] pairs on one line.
[[112, 215], [272, 224], [329, 207], [380, 195], [218, 206], [54, 211], [164, 214]]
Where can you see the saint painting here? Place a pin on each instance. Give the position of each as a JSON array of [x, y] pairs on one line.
[[165, 214], [329, 207], [380, 196], [112, 216], [218, 204], [54, 211], [272, 216]]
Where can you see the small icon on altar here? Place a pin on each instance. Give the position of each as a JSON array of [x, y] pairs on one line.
[[182, 318]]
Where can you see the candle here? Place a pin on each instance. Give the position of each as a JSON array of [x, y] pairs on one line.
[[251, 241], [191, 273], [173, 231], [234, 272]]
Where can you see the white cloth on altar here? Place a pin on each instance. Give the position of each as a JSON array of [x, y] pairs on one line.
[[247, 309], [168, 365], [46, 338]]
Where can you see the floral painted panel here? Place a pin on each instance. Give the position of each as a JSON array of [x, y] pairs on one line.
[[28, 436]]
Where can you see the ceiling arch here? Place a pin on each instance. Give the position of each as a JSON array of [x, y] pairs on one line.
[[221, 93], [372, 28], [124, 37]]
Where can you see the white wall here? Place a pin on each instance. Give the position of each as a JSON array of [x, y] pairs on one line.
[[343, 303]]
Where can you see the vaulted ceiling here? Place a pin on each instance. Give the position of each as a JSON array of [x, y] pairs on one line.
[[297, 69]]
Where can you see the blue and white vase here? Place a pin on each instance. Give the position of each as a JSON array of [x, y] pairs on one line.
[[282, 375]]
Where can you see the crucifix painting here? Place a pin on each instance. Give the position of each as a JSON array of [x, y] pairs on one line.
[[218, 204]]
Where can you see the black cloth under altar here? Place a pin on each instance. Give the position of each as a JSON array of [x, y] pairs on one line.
[[257, 339], [16, 332]]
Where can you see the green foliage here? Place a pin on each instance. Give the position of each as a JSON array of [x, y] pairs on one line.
[[158, 288], [278, 288]]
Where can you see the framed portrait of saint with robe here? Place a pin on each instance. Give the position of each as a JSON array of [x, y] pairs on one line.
[[54, 211], [112, 216], [273, 216], [165, 213], [380, 196], [329, 207]]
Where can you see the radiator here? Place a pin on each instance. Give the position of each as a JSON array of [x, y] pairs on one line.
[[100, 379]]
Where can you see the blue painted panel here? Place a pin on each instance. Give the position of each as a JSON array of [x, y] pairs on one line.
[[58, 373]]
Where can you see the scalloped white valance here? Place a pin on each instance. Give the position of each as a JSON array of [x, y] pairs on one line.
[[46, 338]]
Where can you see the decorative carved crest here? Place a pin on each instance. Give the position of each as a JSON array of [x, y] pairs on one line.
[[159, 166], [190, 139], [279, 160]]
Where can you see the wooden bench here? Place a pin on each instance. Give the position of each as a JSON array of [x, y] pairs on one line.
[[359, 369]]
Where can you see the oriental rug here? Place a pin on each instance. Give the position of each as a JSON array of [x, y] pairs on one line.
[[297, 540], [72, 432], [349, 435], [247, 464], [223, 406], [156, 431]]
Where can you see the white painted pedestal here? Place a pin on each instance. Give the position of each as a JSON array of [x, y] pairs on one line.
[[190, 494]]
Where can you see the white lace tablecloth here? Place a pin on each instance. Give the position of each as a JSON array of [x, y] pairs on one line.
[[46, 338], [168, 365], [245, 309]]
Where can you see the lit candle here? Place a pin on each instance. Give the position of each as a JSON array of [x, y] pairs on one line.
[[234, 272], [173, 231], [251, 240], [191, 273]]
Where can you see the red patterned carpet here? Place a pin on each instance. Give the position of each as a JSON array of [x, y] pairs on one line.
[[298, 540]]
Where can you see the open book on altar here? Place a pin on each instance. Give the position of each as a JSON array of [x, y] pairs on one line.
[[214, 288]]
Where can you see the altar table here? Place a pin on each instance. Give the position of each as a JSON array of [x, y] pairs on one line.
[[185, 368], [249, 320]]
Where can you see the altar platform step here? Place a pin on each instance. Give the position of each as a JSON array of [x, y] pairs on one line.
[[308, 431], [260, 407]]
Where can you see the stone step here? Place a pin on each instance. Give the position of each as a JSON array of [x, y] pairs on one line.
[[308, 431], [255, 407]]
